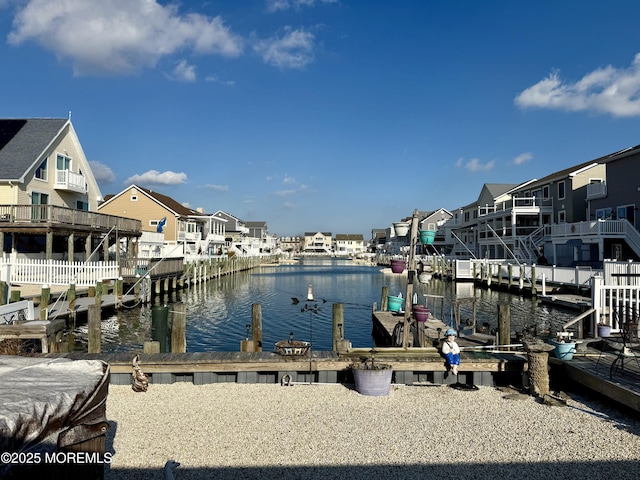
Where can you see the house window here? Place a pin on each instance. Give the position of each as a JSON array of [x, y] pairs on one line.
[[562, 216], [603, 213], [63, 162], [153, 223], [82, 205], [545, 191], [38, 198], [561, 192], [134, 198], [41, 171]]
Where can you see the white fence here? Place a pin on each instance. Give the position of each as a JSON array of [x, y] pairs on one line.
[[615, 304], [56, 272], [578, 276]]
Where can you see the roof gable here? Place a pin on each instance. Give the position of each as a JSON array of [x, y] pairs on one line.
[[23, 141]]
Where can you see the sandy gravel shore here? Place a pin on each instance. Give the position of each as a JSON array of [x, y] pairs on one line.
[[240, 431]]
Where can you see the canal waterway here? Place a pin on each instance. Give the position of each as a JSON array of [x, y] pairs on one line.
[[219, 311]]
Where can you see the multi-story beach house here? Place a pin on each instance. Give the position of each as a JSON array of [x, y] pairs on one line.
[[290, 244], [180, 230], [49, 196], [349, 244], [320, 243], [567, 218]]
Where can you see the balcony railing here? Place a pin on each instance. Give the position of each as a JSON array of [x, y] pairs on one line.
[[70, 181], [21, 215], [596, 190]]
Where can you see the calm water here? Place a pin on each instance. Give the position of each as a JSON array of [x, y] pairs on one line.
[[219, 311]]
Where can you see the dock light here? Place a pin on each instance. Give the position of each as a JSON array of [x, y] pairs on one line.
[[291, 337], [247, 326], [310, 294]]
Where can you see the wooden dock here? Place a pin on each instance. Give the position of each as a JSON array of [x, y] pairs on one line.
[[590, 368], [605, 372]]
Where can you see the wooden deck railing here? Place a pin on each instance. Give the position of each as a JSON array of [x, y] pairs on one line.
[[54, 215]]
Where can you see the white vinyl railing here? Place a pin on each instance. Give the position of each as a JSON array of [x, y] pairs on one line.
[[56, 272], [615, 304]]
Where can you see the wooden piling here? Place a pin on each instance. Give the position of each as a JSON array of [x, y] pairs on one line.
[[179, 329], [337, 315], [99, 293], [384, 299], [504, 324], [14, 296], [94, 323], [256, 325], [151, 346], [45, 297], [71, 298], [3, 293]]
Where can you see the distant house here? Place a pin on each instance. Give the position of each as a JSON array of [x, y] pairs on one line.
[[290, 244], [348, 244], [49, 196], [235, 229], [259, 239], [318, 243], [184, 230]]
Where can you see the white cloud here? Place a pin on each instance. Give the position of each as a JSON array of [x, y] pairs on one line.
[[158, 178], [474, 165], [217, 188], [294, 49], [184, 72], [215, 79], [119, 36], [522, 158], [101, 172], [288, 180], [276, 5], [605, 90], [292, 191]]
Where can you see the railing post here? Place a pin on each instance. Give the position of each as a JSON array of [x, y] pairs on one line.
[[596, 302]]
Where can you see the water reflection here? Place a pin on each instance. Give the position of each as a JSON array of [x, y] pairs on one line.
[[218, 311]]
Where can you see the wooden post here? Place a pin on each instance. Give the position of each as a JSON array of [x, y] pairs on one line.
[[504, 324], [119, 289], [179, 329], [99, 293], [533, 280], [410, 275], [3, 292], [136, 289], [384, 300], [538, 369], [94, 320], [45, 297], [91, 292], [71, 298], [510, 273], [337, 315], [151, 346], [256, 325]]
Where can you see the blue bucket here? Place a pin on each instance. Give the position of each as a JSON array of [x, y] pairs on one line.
[[394, 304], [564, 351]]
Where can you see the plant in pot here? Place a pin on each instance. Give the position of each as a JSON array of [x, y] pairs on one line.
[[604, 330], [564, 345], [371, 377]]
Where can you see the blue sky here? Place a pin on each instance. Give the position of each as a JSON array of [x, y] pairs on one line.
[[332, 115]]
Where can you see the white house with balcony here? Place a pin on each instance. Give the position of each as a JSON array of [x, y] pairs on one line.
[[49, 196]]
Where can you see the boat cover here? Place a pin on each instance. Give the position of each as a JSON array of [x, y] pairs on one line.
[[47, 404]]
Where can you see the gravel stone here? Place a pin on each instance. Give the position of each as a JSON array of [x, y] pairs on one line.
[[320, 431]]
